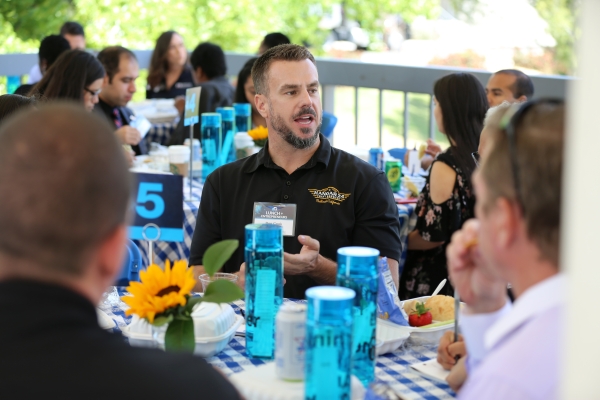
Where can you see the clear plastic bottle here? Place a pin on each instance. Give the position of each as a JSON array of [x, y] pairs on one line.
[[228, 128], [211, 143], [264, 287], [243, 116], [328, 343], [357, 270]]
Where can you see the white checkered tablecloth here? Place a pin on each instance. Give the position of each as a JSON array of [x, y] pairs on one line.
[[391, 368], [175, 251]]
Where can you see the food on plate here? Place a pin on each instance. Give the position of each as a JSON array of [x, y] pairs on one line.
[[421, 316], [409, 306], [442, 307]]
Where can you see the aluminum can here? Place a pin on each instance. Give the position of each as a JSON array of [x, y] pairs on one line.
[[393, 171], [289, 341], [376, 158]]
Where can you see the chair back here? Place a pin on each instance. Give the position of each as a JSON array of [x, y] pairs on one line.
[[329, 122], [131, 265]]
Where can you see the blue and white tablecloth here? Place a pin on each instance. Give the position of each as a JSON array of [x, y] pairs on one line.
[[160, 133], [174, 251], [391, 368]]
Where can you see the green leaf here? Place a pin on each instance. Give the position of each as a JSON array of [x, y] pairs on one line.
[[163, 319], [192, 301], [180, 336], [217, 254], [222, 291]]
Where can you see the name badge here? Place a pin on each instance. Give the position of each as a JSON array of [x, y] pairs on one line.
[[280, 214]]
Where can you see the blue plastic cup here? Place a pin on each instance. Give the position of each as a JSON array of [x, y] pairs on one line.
[[328, 342], [264, 287], [357, 270]]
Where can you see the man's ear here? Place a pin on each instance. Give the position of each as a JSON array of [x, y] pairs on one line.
[[260, 101], [522, 99], [111, 253], [105, 82], [506, 223], [43, 66], [199, 75]]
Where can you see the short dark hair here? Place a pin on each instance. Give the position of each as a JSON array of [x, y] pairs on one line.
[[73, 71], [65, 187], [284, 52], [110, 58], [275, 39], [10, 103], [245, 72], [72, 28], [51, 47], [463, 102], [523, 85], [210, 58]]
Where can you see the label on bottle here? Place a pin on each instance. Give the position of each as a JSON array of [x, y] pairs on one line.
[[264, 311]]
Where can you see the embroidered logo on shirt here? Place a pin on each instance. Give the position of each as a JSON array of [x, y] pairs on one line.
[[329, 195]]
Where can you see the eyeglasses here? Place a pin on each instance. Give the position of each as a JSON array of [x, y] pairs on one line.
[[476, 158], [509, 123], [96, 93]]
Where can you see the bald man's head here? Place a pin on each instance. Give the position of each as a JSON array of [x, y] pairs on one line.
[[64, 187]]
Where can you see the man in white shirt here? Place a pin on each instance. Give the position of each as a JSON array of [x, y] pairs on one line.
[[513, 350]]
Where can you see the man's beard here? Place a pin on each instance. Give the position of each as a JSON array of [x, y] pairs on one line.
[[285, 132]]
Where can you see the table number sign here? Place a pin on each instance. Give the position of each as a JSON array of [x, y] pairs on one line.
[[192, 111], [158, 208]]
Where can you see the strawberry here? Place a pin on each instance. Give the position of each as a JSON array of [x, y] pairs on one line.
[[421, 316]]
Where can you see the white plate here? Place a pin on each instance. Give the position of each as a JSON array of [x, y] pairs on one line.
[[419, 335]]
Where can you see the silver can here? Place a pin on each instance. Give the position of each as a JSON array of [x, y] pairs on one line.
[[289, 341]]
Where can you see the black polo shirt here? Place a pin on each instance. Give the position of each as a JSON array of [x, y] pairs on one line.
[[365, 213], [183, 83]]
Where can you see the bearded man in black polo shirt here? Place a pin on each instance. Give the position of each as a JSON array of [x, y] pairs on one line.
[[340, 200]]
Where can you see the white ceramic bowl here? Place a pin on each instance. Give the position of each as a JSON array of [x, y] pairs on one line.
[[425, 336]]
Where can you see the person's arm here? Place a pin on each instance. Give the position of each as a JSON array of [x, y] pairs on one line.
[[441, 184]]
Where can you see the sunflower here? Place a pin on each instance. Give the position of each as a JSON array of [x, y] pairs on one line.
[[160, 290]]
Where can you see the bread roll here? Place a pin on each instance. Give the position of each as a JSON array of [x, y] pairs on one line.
[[441, 307]]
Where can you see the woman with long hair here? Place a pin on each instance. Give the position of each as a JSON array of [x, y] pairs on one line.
[[447, 200], [75, 75], [244, 92], [169, 74]]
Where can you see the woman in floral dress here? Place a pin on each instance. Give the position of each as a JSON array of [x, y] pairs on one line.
[[447, 200]]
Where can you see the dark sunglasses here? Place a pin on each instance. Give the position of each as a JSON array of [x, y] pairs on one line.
[[509, 123]]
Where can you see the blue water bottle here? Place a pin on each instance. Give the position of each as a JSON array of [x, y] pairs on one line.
[[243, 116], [12, 83], [211, 143], [228, 129], [328, 343], [264, 287], [357, 270]]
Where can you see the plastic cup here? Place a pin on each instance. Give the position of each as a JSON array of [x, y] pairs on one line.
[[179, 159], [205, 279]]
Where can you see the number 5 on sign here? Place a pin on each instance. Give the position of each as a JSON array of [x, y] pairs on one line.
[[158, 208]]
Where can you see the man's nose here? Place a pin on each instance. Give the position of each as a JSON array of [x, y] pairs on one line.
[[306, 99], [132, 87]]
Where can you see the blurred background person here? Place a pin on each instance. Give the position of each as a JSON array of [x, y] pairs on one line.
[[447, 200], [122, 70], [76, 75], [509, 85], [244, 92], [208, 63], [50, 48], [272, 40], [74, 34], [170, 74], [11, 103]]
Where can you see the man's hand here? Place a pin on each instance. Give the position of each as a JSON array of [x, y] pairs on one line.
[[448, 350], [458, 375], [433, 149], [306, 261], [241, 274], [128, 135], [480, 291]]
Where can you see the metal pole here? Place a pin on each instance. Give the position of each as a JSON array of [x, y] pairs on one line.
[[150, 252], [356, 115], [380, 118], [191, 158], [406, 119]]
